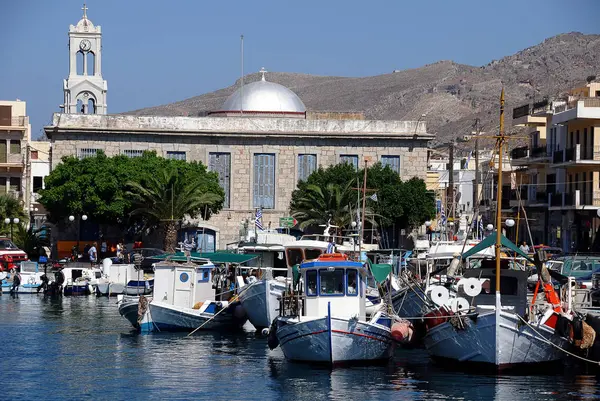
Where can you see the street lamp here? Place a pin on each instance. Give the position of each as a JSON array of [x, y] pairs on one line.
[[71, 219], [490, 227], [509, 223], [9, 221], [32, 210]]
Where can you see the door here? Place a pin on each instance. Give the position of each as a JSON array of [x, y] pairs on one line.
[[183, 288], [2, 151]]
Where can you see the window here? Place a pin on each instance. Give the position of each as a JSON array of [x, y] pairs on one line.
[[306, 165], [311, 283], [221, 164], [294, 256], [15, 146], [204, 276], [312, 253], [86, 152], [34, 155], [392, 162], [132, 152], [352, 282], [38, 183], [176, 155], [352, 159], [331, 282], [2, 184], [15, 184], [264, 180]]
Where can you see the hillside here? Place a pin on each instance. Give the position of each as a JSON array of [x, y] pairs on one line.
[[451, 95]]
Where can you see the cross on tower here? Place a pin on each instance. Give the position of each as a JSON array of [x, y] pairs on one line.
[[263, 71], [84, 8]]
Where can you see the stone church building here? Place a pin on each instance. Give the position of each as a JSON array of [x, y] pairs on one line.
[[261, 141]]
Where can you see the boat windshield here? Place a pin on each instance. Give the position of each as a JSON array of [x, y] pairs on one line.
[[579, 268], [7, 244]]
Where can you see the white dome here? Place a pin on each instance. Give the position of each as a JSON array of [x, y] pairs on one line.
[[85, 24], [264, 96]]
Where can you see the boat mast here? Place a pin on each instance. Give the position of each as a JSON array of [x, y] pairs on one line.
[[500, 140], [364, 205]]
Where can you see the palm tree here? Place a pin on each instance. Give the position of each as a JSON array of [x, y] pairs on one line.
[[165, 198], [10, 207], [332, 203], [31, 240]]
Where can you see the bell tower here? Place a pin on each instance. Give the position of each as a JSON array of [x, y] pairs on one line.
[[84, 89]]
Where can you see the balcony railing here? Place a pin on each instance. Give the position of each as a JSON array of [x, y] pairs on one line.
[[14, 121], [556, 199], [580, 198], [539, 151], [571, 104], [519, 153], [521, 111], [541, 197], [558, 156]]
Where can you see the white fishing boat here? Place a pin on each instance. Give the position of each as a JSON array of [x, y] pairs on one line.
[[79, 280], [122, 279], [184, 300], [30, 278], [326, 321]]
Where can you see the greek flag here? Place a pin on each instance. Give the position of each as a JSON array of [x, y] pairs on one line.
[[481, 228], [258, 219], [373, 197], [330, 248], [442, 215]]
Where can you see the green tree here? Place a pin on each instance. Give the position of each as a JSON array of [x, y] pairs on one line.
[[10, 207], [31, 240], [167, 196], [96, 186]]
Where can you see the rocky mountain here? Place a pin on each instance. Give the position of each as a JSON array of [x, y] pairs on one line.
[[451, 95]]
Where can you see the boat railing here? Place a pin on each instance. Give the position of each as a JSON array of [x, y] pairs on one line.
[[290, 304]]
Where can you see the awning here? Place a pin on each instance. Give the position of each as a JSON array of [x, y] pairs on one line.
[[215, 257], [490, 240], [380, 271]]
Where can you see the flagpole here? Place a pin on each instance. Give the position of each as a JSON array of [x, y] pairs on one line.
[[364, 205]]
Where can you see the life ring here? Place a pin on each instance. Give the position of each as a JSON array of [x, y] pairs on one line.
[[31, 280], [12, 270]]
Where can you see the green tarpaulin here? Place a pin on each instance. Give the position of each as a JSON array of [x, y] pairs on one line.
[[490, 240], [215, 257], [380, 271]]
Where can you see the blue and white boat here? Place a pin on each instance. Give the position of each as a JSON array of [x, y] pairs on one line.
[[326, 320], [31, 279], [184, 300]]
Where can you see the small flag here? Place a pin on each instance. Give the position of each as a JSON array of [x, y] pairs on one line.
[[468, 160], [373, 197], [258, 219], [330, 248], [480, 228], [442, 215]]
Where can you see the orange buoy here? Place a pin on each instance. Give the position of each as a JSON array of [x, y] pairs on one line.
[[402, 331]]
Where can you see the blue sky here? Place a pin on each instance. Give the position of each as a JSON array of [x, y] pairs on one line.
[[158, 51]]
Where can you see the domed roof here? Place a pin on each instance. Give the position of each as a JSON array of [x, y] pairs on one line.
[[84, 23], [264, 96]]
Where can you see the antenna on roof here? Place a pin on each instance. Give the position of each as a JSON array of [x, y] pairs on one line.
[[242, 83]]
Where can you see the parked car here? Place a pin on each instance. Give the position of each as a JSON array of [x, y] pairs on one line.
[[10, 254], [149, 256]]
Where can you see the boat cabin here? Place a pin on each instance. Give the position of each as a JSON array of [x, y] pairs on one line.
[[72, 274], [331, 280], [28, 267], [513, 288], [183, 284]]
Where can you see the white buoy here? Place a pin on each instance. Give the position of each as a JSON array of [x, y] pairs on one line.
[[459, 305], [472, 287], [439, 295], [265, 332]]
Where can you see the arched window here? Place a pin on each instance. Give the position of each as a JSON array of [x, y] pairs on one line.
[[79, 58], [91, 106], [90, 58], [80, 109]]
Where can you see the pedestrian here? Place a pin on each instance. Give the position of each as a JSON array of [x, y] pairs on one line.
[[16, 283], [103, 249], [93, 254], [120, 250], [524, 247]]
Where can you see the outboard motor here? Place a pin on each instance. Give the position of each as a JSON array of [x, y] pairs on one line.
[[272, 340]]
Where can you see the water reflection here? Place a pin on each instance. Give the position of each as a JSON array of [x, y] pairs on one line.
[[65, 348]]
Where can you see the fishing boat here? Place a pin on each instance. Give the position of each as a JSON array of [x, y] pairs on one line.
[[184, 300], [120, 278], [30, 278], [79, 280], [499, 329], [325, 321]]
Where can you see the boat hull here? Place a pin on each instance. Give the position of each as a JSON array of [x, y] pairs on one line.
[[128, 308], [334, 341], [495, 341], [165, 317], [260, 301], [77, 289], [408, 303], [22, 289], [110, 289]]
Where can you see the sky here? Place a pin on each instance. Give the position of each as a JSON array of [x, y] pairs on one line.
[[159, 51]]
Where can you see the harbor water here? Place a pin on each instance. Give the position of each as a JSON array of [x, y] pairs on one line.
[[80, 348]]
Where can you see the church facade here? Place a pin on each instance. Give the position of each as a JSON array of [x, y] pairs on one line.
[[261, 143]]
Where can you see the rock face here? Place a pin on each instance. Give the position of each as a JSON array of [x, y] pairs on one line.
[[451, 95]]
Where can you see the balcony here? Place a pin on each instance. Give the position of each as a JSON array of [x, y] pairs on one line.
[[577, 155], [515, 199], [519, 153], [529, 115], [14, 123], [12, 160], [576, 200], [581, 108]]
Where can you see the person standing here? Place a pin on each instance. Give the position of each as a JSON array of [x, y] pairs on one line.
[[103, 249], [524, 247], [120, 250], [93, 253]]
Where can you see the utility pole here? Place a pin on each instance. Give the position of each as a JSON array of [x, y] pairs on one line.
[[476, 199]]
